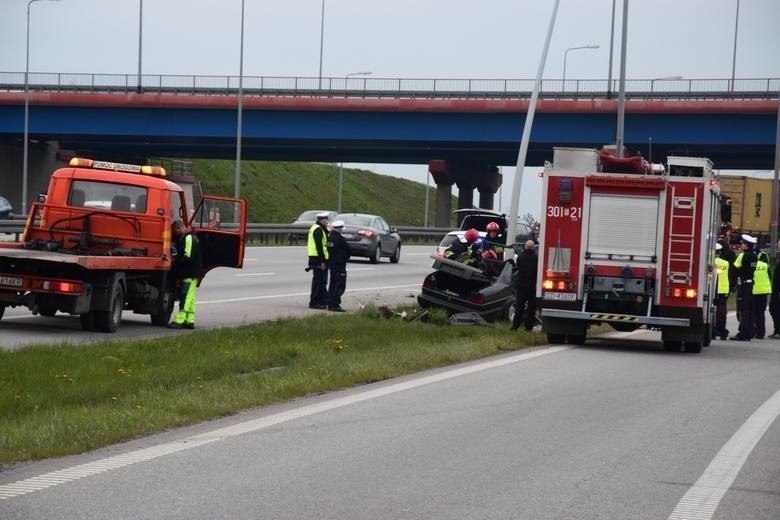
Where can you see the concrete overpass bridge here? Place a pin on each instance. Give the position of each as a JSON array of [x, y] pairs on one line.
[[462, 129]]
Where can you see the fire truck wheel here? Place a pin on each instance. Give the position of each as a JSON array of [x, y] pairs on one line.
[[556, 338], [108, 321], [161, 319], [672, 346], [45, 310], [87, 321], [694, 347], [576, 339]]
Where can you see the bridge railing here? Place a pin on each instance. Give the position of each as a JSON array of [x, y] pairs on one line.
[[747, 88], [268, 234]]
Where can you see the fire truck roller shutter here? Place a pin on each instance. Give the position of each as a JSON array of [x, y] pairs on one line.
[[623, 225]]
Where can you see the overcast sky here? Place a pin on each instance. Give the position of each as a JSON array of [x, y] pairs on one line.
[[398, 38]]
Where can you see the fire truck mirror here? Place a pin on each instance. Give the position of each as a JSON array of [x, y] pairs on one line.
[[725, 209]]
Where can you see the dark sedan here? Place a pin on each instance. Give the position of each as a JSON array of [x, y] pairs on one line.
[[370, 236], [461, 288]]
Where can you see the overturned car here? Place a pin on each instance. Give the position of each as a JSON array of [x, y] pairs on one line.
[[457, 287]]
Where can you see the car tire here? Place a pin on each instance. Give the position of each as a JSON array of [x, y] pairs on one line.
[[47, 310], [376, 255], [509, 311], [2, 311], [396, 255]]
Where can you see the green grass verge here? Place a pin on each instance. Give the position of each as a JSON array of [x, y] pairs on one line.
[[61, 400]]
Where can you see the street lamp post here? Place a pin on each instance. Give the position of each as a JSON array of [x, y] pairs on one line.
[[341, 164], [734, 54], [237, 181], [140, 39], [27, 109], [322, 40], [566, 55], [652, 81]]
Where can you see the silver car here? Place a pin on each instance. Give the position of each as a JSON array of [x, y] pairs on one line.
[[370, 236]]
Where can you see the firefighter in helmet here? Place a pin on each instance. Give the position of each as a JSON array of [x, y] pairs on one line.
[[493, 240], [467, 253]]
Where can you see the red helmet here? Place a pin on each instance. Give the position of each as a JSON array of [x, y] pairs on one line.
[[472, 235], [492, 226]]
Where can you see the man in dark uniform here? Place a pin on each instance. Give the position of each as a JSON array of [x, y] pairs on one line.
[[745, 265], [187, 269], [318, 261], [338, 256], [525, 286]]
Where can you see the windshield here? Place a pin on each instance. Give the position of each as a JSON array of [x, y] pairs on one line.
[[107, 195]]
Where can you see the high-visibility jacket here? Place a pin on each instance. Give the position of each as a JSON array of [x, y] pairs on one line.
[[322, 251], [722, 267], [761, 282]]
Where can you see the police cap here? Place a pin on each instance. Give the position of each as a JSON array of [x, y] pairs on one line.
[[749, 239]]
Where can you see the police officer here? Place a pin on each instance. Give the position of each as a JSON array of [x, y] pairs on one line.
[[467, 253], [525, 286], [188, 269], [745, 265], [338, 256], [762, 287], [723, 288], [774, 302], [318, 261]]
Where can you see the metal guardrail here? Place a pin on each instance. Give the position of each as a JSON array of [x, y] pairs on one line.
[[746, 88], [277, 234]]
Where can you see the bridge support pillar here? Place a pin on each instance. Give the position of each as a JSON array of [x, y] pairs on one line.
[[43, 160], [467, 176], [441, 176]]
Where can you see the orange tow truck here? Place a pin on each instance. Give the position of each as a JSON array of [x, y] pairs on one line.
[[99, 243]]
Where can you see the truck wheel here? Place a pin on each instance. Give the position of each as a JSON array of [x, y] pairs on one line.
[[556, 338], [161, 319], [87, 321], [672, 346], [694, 347], [108, 321], [46, 310], [576, 339], [707, 336], [2, 311]]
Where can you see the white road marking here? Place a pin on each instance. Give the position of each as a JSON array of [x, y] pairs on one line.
[[289, 295], [703, 498], [55, 478], [256, 274]]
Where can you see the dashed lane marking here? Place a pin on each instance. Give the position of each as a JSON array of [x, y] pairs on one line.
[[55, 478]]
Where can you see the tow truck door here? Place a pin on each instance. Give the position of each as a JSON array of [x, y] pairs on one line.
[[220, 225]]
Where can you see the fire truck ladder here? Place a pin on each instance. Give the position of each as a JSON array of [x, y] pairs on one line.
[[682, 220]]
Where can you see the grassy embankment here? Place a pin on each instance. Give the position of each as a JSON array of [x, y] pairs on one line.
[[59, 401], [280, 191]]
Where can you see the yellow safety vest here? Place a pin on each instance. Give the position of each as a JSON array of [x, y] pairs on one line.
[[722, 268], [738, 260], [761, 283], [312, 244]]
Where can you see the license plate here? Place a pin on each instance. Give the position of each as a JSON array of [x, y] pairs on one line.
[[10, 281], [348, 235], [566, 296]]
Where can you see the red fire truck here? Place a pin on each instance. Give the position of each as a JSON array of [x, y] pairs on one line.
[[629, 244]]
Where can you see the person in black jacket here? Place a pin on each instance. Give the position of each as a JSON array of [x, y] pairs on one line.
[[187, 269], [338, 256], [525, 286], [745, 265]]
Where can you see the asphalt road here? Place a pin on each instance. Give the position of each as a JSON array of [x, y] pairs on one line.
[[618, 429], [271, 285]]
